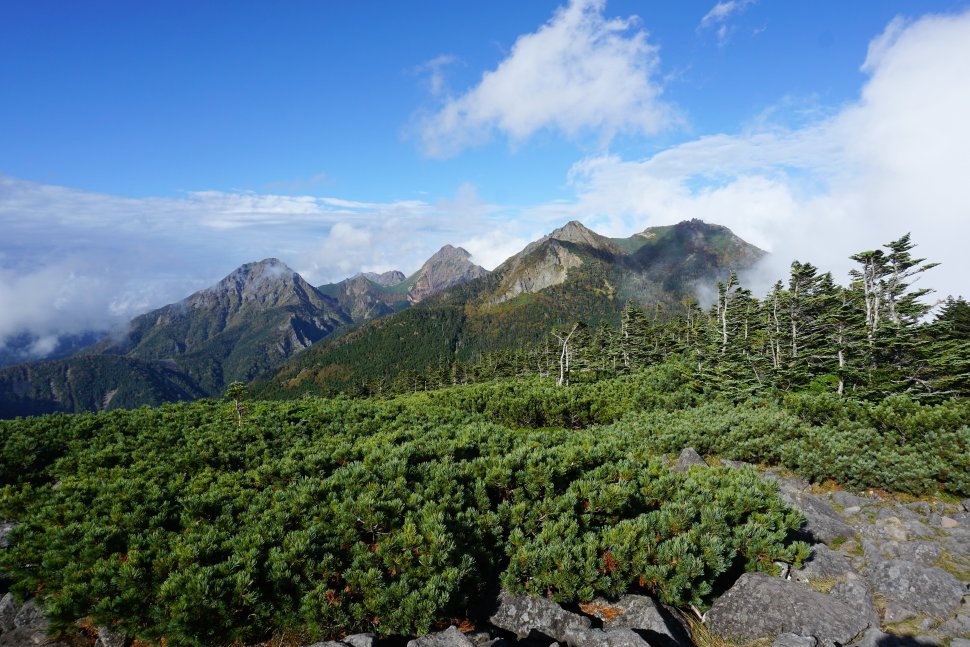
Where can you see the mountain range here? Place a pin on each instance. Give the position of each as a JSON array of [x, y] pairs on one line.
[[264, 320]]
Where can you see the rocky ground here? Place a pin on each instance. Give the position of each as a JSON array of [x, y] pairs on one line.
[[884, 573]]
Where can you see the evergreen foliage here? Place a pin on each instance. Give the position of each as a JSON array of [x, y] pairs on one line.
[[189, 523], [868, 340], [231, 520]]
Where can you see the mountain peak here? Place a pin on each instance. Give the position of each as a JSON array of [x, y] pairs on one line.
[[448, 266], [387, 279], [450, 252], [579, 234], [570, 230]]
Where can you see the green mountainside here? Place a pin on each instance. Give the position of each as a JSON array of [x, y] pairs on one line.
[[93, 383], [252, 320], [248, 323], [264, 315], [363, 298], [26, 347], [569, 275]]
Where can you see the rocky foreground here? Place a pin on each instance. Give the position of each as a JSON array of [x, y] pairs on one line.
[[883, 573]]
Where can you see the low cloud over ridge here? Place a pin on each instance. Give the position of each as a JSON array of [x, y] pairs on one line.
[[892, 162]]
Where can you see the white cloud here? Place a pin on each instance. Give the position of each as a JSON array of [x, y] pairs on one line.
[[491, 248], [724, 10], [890, 163], [579, 73], [72, 260], [434, 70], [719, 15]]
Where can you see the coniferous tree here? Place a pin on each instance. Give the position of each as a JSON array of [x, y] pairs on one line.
[[634, 337]]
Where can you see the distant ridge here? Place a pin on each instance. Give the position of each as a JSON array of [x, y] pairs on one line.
[[387, 279], [263, 318], [570, 274]]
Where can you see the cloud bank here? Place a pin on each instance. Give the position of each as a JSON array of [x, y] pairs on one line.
[[892, 162], [579, 73], [73, 261]]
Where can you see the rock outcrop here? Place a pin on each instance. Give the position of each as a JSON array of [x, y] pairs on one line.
[[448, 267], [760, 606]]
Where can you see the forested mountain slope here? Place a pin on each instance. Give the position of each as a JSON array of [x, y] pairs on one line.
[[572, 274]]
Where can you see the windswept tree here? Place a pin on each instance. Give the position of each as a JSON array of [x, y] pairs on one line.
[[565, 351]]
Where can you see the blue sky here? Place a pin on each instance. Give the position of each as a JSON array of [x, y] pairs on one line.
[[146, 149]]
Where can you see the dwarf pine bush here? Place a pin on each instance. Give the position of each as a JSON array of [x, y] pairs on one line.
[[191, 524]]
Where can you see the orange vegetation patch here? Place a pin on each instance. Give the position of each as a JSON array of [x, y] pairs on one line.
[[601, 611], [464, 625]]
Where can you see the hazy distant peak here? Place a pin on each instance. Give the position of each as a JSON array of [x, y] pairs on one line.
[[571, 229], [387, 279], [449, 252], [268, 268]]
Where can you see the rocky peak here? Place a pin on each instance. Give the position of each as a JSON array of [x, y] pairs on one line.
[[268, 283], [448, 266], [579, 234], [449, 253], [386, 279]]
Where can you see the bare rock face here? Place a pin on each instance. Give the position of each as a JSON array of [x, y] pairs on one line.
[[387, 279], [524, 615], [546, 262], [760, 607], [579, 234], [912, 589], [648, 617], [108, 637], [8, 611], [794, 640], [822, 524], [824, 563], [30, 627], [547, 267], [450, 637], [448, 267]]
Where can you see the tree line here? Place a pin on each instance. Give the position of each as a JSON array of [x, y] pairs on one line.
[[868, 339]]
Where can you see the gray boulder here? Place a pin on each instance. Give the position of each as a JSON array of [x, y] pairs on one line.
[[759, 606], [608, 638], [650, 618], [31, 616], [849, 500], [959, 625], [794, 640], [822, 523], [922, 590], [525, 614], [108, 637], [921, 551], [30, 628], [482, 638], [359, 640], [823, 564], [876, 638], [450, 637], [855, 593], [8, 611], [688, 458]]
